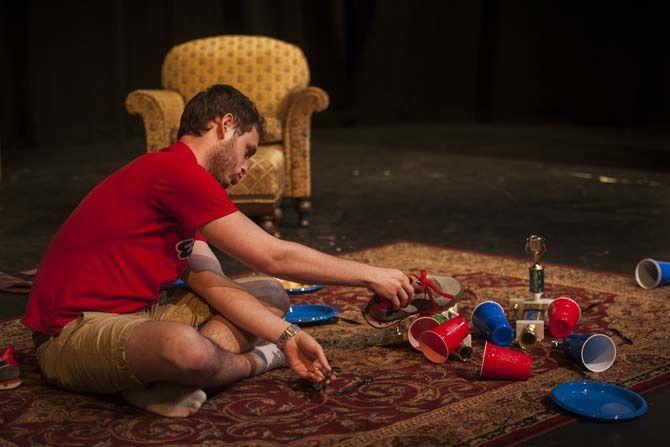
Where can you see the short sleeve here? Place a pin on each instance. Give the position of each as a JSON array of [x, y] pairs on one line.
[[190, 194]]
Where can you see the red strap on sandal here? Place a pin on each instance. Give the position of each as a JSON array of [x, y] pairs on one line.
[[426, 285]]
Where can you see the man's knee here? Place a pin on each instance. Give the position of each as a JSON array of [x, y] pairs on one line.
[[277, 296], [269, 291], [189, 351]]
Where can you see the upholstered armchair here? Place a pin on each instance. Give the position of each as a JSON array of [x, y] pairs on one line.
[[275, 75]]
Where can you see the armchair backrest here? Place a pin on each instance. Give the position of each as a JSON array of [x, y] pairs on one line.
[[267, 70]]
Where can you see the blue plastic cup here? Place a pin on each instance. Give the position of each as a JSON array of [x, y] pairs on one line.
[[594, 352], [651, 273], [490, 320]]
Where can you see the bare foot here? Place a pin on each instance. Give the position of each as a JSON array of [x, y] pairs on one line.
[[166, 399]]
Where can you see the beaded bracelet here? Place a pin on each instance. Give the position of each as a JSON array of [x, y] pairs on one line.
[[288, 334]]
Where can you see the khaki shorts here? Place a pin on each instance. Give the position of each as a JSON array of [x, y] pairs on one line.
[[89, 354]]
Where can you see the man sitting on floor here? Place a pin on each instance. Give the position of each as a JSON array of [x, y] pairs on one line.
[[97, 323]]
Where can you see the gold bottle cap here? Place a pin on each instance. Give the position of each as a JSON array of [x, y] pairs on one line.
[[528, 337]]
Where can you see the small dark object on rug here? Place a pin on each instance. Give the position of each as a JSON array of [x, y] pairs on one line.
[[367, 381], [318, 386], [623, 337]]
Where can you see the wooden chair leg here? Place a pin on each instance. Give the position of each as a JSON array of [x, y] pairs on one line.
[[268, 224], [278, 216], [303, 207]]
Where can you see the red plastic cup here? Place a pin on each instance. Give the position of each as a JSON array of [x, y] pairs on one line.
[[562, 316], [421, 325], [504, 364], [437, 343]]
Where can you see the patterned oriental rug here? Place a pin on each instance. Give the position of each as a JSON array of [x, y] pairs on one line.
[[411, 401]]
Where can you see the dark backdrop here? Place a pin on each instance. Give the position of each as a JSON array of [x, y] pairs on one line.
[[67, 66]]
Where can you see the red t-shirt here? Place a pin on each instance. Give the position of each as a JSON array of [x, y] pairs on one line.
[[131, 234]]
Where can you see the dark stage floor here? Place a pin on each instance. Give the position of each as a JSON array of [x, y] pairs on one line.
[[600, 196]]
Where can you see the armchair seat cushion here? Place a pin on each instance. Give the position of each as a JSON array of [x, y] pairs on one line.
[[264, 181], [273, 130]]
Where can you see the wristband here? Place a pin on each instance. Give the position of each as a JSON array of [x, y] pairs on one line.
[[290, 331]]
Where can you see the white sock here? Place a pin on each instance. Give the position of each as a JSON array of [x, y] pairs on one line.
[[267, 357], [167, 399]]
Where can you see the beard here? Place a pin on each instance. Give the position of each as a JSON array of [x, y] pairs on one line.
[[220, 161]]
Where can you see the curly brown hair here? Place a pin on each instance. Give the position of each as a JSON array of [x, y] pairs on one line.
[[215, 102]]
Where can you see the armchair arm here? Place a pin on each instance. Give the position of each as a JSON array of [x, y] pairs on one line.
[[160, 111], [297, 139]]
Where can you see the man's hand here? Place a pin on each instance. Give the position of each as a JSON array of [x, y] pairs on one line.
[[392, 285], [305, 357]]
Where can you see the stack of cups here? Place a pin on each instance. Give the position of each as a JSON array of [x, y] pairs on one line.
[[442, 340], [420, 325]]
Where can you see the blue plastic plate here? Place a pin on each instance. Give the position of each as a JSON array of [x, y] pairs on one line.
[[172, 285], [599, 400], [310, 313], [293, 288], [304, 289]]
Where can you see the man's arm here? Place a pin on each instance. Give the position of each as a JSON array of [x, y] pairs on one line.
[[239, 237], [236, 304], [205, 277]]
